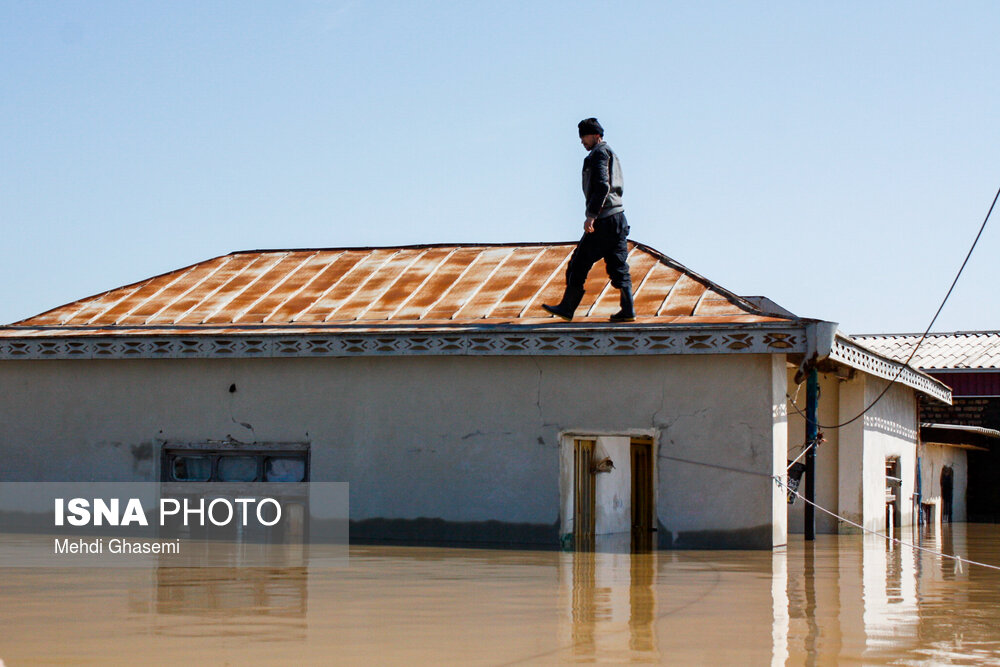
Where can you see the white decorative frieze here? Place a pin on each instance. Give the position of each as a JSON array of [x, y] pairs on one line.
[[595, 341], [498, 342], [853, 355]]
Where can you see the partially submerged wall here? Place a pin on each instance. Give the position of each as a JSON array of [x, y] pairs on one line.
[[934, 459], [890, 431], [464, 448], [850, 463]]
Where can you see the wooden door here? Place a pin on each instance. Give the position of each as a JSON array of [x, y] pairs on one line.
[[642, 494], [583, 495]]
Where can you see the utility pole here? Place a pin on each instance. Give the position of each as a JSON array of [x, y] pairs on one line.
[[812, 432]]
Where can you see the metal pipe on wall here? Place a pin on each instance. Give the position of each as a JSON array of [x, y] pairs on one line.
[[812, 432]]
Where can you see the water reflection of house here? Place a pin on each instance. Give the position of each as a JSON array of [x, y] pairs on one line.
[[961, 441], [270, 601], [429, 378]]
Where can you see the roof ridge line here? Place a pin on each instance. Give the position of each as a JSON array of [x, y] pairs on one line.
[[408, 246]]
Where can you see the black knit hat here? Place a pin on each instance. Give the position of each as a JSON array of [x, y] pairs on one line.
[[590, 126]]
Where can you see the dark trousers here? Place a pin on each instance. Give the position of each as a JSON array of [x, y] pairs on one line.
[[606, 242]]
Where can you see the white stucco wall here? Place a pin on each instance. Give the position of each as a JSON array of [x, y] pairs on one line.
[[779, 434], [461, 439], [716, 448], [850, 464], [890, 430], [854, 476]]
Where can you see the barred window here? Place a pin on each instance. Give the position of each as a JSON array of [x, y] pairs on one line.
[[203, 462]]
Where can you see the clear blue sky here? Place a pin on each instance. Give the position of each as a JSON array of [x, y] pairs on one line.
[[835, 157]]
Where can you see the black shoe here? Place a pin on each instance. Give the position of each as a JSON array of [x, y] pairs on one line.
[[627, 313], [571, 299], [558, 311]]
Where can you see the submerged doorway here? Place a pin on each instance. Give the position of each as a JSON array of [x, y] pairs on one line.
[[609, 493], [947, 484], [893, 493]]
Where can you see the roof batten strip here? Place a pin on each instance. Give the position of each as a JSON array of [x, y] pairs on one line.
[[332, 287], [204, 299], [152, 296], [305, 285], [670, 293], [422, 284], [225, 260], [82, 304], [250, 284], [88, 302], [645, 278], [545, 284], [361, 286], [694, 311], [513, 283], [392, 284], [278, 284], [482, 283], [451, 286]]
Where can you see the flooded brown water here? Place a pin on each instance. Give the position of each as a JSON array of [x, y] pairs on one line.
[[847, 599]]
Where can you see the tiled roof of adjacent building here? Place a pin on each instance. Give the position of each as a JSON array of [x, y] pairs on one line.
[[973, 350], [381, 288]]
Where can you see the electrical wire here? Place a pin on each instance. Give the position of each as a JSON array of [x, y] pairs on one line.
[[906, 364]]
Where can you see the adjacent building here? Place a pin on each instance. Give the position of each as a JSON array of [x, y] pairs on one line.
[[961, 441]]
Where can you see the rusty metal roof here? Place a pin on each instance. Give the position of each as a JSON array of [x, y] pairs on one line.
[[978, 350], [441, 286]]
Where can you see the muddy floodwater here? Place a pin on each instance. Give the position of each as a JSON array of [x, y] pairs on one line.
[[847, 599]]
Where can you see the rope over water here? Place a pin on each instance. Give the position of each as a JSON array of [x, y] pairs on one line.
[[940, 554], [777, 480]]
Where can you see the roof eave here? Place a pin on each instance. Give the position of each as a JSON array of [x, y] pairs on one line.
[[847, 351]]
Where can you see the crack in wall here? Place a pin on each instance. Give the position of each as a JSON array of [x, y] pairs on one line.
[[232, 416], [538, 388], [663, 398], [668, 424]]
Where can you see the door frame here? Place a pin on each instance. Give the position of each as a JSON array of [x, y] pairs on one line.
[[617, 445]]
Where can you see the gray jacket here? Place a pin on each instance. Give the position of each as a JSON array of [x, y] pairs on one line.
[[602, 182]]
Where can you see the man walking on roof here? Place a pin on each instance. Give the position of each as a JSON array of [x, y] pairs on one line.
[[604, 230]]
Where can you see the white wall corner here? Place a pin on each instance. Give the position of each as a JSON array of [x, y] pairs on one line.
[[779, 449]]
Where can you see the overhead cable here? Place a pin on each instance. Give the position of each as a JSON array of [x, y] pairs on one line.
[[906, 364]]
